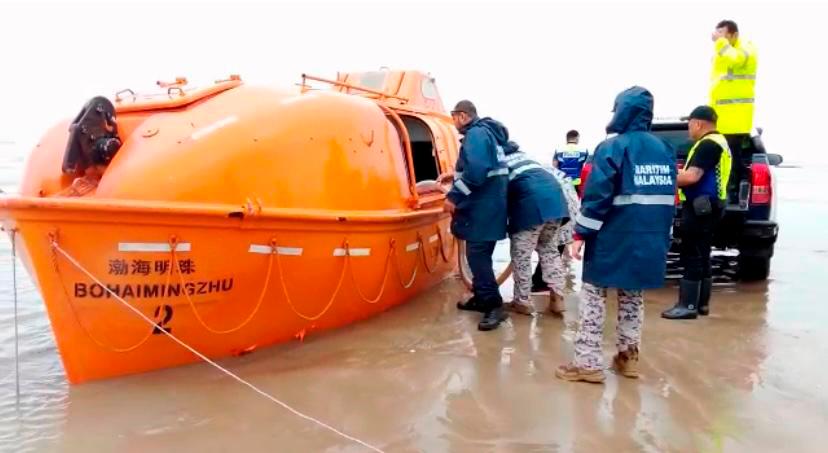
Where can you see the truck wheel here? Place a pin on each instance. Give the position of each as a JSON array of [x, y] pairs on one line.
[[754, 268]]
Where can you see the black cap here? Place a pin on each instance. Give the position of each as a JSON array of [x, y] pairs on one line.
[[704, 113], [466, 107]]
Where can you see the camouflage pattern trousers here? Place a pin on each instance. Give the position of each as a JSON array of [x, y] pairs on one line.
[[542, 238], [592, 310]]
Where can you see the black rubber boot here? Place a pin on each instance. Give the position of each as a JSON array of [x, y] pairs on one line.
[[493, 316], [704, 296], [688, 303], [473, 304]]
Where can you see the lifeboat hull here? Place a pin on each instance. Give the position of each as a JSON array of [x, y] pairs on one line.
[[223, 281]]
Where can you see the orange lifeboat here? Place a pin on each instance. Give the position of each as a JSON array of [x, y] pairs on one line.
[[237, 216]]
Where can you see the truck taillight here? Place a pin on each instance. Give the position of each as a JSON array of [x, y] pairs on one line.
[[584, 176], [761, 182]]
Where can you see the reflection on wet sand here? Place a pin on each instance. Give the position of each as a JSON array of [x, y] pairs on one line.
[[422, 378]]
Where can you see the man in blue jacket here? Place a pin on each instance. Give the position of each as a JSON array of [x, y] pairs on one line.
[[537, 209], [477, 202], [625, 219], [571, 158]]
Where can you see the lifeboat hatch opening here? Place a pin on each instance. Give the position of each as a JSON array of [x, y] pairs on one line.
[[422, 149]]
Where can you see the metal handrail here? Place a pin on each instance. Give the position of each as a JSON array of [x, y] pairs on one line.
[[338, 83], [118, 97]]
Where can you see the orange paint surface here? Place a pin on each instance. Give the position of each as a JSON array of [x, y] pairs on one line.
[[236, 216]]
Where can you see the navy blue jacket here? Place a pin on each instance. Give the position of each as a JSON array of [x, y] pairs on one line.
[[629, 200], [480, 181], [571, 160], [535, 197]]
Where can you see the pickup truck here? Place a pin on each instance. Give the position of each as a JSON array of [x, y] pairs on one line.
[[749, 224]]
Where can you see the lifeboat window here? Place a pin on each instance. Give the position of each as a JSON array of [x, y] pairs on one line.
[[422, 149], [428, 89], [374, 80]]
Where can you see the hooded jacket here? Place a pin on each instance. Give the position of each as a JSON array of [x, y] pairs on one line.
[[534, 195], [629, 200]]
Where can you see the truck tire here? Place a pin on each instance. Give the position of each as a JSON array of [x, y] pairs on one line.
[[754, 268]]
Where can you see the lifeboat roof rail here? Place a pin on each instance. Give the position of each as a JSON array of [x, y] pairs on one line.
[[338, 83], [175, 95]]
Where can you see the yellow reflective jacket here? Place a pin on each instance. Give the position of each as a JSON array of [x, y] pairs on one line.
[[732, 85], [716, 182]]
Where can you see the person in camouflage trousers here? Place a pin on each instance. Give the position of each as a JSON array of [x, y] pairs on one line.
[[543, 239], [624, 230], [573, 205], [537, 209], [541, 282], [592, 313]]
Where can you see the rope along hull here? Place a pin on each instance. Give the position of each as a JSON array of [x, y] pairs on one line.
[[224, 285]]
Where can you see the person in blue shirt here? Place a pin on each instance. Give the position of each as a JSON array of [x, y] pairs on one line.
[[571, 158], [477, 202], [625, 221]]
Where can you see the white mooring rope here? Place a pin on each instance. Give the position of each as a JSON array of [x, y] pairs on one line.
[[214, 364], [16, 317]]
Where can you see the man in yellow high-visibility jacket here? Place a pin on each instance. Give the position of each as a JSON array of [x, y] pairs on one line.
[[732, 84]]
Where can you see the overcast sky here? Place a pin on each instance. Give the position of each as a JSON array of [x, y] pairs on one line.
[[540, 67]]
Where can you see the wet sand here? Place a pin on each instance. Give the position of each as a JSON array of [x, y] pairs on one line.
[[421, 378]]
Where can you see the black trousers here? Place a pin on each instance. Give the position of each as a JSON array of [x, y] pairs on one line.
[[741, 147], [484, 283], [739, 142], [697, 240]]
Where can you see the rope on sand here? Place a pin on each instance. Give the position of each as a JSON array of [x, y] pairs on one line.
[[229, 373]]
